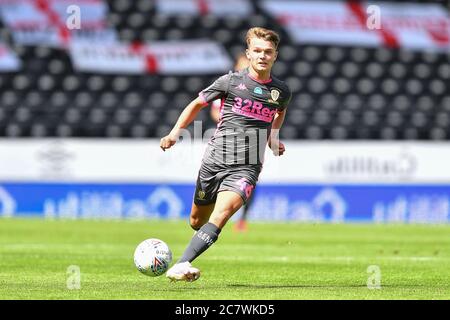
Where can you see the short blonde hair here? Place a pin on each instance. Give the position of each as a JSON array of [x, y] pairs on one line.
[[262, 33]]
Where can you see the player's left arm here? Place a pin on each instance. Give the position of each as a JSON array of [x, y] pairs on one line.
[[274, 142]]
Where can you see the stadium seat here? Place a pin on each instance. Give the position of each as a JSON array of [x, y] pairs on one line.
[[337, 92]]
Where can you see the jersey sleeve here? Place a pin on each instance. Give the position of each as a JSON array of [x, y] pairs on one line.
[[285, 99], [217, 90]]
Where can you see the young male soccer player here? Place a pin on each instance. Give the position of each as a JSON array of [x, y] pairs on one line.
[[240, 64], [253, 111]]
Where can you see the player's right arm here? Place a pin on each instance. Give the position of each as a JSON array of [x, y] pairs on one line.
[[215, 110], [215, 91], [184, 120]]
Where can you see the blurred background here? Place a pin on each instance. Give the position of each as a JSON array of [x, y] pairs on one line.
[[88, 87]]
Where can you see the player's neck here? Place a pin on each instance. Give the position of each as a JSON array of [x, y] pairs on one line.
[[259, 76]]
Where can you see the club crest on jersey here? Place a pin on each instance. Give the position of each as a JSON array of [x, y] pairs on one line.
[[257, 90], [201, 194], [274, 94]]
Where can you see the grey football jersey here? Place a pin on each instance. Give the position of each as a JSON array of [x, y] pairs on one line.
[[246, 115]]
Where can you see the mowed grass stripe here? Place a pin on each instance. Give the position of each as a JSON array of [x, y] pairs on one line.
[[271, 261]]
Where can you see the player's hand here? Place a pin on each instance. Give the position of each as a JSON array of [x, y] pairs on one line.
[[277, 147], [167, 142]]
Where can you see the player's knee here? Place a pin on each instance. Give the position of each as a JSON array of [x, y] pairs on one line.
[[221, 217], [196, 223]]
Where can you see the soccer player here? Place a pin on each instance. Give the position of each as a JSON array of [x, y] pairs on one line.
[[253, 111], [241, 64]]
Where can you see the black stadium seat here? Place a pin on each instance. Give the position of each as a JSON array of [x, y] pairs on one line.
[[339, 93]]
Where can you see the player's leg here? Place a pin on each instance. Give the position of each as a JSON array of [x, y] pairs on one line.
[[183, 270], [205, 194], [200, 214], [248, 205], [202, 207], [235, 188], [241, 224], [227, 203]]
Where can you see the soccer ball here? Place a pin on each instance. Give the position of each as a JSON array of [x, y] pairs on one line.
[[152, 257]]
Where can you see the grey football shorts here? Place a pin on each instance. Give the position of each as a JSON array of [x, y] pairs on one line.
[[213, 178]]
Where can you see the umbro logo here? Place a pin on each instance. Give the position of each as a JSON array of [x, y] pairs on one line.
[[242, 87]]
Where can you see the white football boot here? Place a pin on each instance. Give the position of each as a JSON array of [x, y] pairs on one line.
[[183, 271]]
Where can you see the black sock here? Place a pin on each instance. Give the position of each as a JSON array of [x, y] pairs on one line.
[[201, 241]]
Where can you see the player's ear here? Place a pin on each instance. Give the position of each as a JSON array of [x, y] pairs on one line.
[[247, 53], [276, 55]]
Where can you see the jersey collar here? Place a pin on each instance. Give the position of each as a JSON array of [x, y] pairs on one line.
[[259, 81]]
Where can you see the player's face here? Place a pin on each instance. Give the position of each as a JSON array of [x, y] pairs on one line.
[[261, 54]]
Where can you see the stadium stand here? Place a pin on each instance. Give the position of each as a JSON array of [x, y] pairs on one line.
[[339, 92]]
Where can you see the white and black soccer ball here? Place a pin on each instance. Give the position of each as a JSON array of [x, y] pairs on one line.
[[152, 257]]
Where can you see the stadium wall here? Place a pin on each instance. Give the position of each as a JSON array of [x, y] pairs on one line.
[[314, 181]]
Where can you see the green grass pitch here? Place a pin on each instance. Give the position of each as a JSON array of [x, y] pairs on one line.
[[269, 262]]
